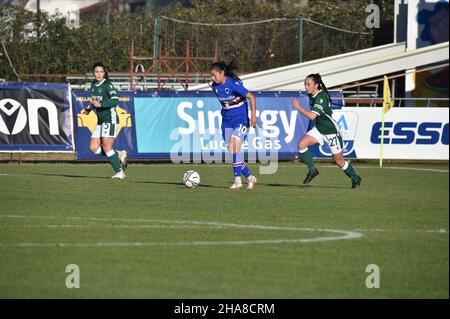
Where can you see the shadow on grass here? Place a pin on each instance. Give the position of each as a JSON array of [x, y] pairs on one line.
[[69, 176], [201, 186], [174, 183], [304, 186]]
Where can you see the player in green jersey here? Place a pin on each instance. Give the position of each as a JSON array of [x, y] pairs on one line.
[[325, 131], [105, 100]]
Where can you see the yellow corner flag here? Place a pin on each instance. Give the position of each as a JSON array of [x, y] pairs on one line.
[[387, 100], [387, 105]]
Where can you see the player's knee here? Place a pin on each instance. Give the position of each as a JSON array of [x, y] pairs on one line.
[[302, 145], [106, 149], [232, 148], [340, 162], [93, 148]]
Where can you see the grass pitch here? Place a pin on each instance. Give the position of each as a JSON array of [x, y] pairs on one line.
[[150, 237]]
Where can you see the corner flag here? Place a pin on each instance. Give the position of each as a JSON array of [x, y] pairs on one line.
[[387, 101], [387, 105]]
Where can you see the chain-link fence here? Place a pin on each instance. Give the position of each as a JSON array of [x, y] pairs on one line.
[[50, 50], [260, 45]]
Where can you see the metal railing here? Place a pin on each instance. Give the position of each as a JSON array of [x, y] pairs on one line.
[[141, 81], [402, 101]]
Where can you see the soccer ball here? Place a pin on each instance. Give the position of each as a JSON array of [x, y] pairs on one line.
[[191, 179]]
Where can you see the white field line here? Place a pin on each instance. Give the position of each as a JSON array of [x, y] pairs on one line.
[[200, 223], [341, 234], [375, 230]]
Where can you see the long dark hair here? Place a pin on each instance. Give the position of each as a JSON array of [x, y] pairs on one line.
[[229, 69], [100, 64], [318, 80]]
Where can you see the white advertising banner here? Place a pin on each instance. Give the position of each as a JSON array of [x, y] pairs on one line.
[[409, 133]]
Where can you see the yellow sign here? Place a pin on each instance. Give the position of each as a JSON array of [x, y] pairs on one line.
[[90, 120]]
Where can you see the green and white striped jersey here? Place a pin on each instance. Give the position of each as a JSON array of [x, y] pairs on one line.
[[107, 95], [320, 105]]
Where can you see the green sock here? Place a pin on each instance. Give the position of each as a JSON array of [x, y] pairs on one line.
[[349, 171], [100, 151], [114, 160], [307, 157]]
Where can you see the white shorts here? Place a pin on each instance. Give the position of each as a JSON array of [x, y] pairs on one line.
[[105, 130], [334, 141]]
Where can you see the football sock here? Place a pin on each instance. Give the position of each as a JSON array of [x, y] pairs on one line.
[[114, 160], [237, 162], [245, 171], [100, 151], [349, 171], [306, 156]]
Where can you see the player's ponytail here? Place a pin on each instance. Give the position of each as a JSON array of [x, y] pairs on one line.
[[100, 64], [228, 69], [323, 87]]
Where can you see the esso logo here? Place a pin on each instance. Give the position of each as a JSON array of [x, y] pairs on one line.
[[425, 133]]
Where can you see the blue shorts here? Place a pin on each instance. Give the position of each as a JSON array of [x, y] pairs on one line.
[[237, 130]]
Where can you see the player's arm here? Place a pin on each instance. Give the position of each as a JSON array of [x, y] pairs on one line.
[[89, 107], [252, 99], [309, 114], [242, 91]]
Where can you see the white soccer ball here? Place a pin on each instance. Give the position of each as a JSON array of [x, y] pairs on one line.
[[191, 179]]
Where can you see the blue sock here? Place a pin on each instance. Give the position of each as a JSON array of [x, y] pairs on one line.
[[245, 170], [237, 162]]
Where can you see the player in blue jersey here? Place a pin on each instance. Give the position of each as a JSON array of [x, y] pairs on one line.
[[325, 131], [235, 120]]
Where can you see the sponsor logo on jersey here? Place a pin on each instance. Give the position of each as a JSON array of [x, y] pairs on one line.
[[318, 106]]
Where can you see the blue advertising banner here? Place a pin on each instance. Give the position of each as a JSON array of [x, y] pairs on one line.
[[35, 117], [187, 125], [191, 124], [85, 124]]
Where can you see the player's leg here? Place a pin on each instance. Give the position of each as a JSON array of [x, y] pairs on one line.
[[108, 138], [95, 142], [309, 139], [348, 169], [336, 145], [234, 146], [237, 139], [227, 130], [123, 159]]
